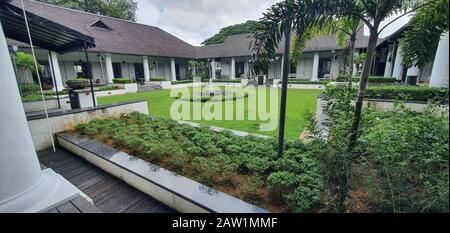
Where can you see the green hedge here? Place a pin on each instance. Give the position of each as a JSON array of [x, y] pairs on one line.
[[223, 80], [122, 80], [401, 92], [372, 79], [108, 88], [296, 81], [157, 79], [29, 88], [182, 81]]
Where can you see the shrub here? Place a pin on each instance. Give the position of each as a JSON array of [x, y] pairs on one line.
[[78, 83], [410, 152], [281, 183], [398, 92], [182, 81], [122, 80], [250, 186], [108, 88], [299, 81], [157, 79], [29, 88], [372, 79]]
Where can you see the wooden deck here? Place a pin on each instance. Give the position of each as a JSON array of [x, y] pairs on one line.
[[110, 194]]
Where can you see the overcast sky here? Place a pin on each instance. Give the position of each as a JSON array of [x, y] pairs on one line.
[[196, 20]]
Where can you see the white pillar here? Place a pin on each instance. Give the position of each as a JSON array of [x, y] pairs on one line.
[[398, 67], [23, 186], [390, 56], [213, 68], [53, 58], [172, 69], [146, 69], [440, 74], [282, 66], [315, 72], [109, 68], [233, 68]]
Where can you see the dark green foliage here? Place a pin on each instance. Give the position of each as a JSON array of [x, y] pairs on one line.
[[29, 89], [210, 157], [248, 27], [157, 79], [108, 88], [400, 92], [122, 9], [410, 151], [372, 79], [424, 32], [78, 82], [182, 81], [299, 81], [122, 80]]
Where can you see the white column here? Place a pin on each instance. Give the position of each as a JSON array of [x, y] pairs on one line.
[[23, 186], [233, 68], [398, 67], [146, 69], [109, 68], [56, 71], [315, 72], [172, 69], [213, 68], [282, 66], [388, 67], [440, 74]]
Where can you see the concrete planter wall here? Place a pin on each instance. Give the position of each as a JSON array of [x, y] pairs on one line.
[[34, 106], [110, 92], [128, 87], [178, 192], [305, 86], [197, 79], [66, 120]]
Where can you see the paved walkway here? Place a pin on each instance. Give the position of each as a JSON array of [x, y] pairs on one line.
[[110, 194]]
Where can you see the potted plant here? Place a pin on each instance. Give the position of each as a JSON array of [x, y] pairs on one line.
[[78, 83]]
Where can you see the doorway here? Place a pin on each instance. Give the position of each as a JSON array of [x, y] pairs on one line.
[[324, 66], [239, 71], [139, 72]]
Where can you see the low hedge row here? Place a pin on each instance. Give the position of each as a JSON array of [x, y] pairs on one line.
[[223, 80], [402, 92], [182, 81], [157, 79], [122, 80], [296, 81], [372, 79]]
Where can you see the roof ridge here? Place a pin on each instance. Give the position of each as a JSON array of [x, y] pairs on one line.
[[89, 13]]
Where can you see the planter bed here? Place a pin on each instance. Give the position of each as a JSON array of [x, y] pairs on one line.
[[247, 168], [178, 192]]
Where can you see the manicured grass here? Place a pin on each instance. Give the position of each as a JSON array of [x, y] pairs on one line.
[[299, 102]]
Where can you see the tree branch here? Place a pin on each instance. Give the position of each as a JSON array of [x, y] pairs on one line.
[[406, 13]]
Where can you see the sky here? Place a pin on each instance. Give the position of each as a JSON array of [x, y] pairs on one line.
[[196, 20]]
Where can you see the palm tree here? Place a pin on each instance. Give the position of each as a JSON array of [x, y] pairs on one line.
[[301, 16], [424, 33]]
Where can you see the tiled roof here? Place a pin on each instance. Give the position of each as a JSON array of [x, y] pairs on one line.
[[127, 37]]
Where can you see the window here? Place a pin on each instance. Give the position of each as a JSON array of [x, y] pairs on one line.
[[117, 70]]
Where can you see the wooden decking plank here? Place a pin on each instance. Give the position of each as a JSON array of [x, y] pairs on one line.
[[84, 206], [109, 193], [67, 207]]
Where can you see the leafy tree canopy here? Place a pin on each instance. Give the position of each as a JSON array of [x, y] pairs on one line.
[[122, 9], [248, 27], [423, 34]]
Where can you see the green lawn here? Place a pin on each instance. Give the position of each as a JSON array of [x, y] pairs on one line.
[[299, 101]]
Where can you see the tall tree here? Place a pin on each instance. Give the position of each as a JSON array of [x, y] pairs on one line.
[[248, 27], [424, 32], [122, 9]]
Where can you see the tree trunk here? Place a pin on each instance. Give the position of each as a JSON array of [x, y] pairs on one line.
[[351, 60], [362, 86]]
